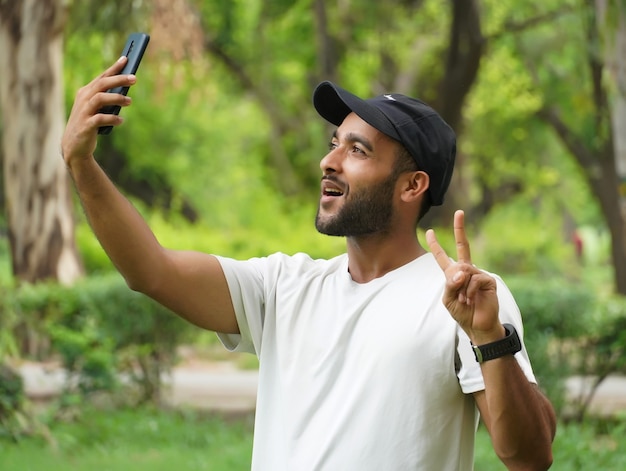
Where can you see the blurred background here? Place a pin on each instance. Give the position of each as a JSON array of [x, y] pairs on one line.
[[220, 152]]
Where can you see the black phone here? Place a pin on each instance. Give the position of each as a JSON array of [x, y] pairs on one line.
[[136, 45]]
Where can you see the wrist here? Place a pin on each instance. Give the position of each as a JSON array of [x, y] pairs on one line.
[[78, 163], [510, 344], [488, 336]]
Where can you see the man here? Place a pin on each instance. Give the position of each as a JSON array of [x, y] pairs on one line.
[[362, 366]]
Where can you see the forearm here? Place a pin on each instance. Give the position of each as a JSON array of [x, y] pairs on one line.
[[519, 418], [120, 229]]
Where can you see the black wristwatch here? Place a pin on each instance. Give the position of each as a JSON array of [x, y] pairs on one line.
[[509, 345]]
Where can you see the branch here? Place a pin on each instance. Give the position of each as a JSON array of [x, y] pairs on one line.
[[280, 125], [233, 66], [529, 23], [569, 138]]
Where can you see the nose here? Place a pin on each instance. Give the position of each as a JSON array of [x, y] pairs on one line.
[[331, 162]]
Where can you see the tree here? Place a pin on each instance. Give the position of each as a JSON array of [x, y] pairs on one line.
[[586, 132], [38, 199]]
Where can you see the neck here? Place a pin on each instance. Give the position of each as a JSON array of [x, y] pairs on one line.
[[373, 256]]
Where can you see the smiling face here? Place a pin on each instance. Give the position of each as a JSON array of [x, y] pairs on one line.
[[359, 181]]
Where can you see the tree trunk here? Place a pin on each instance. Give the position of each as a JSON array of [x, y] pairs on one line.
[[465, 51], [38, 199], [616, 62]]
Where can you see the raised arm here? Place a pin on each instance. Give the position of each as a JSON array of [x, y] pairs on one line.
[[519, 418], [191, 284]]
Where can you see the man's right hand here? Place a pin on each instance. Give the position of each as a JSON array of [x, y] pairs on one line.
[[81, 132]]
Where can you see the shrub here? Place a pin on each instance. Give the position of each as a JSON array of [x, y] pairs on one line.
[[11, 402], [569, 330], [554, 311], [100, 327]]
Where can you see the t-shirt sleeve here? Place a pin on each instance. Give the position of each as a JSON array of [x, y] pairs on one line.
[[246, 282], [470, 375]]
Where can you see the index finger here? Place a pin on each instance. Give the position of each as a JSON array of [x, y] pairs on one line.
[[462, 244], [116, 68], [112, 71], [437, 250]]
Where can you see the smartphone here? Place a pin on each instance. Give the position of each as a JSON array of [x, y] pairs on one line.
[[136, 45]]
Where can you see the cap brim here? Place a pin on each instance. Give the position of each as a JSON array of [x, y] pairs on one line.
[[333, 103]]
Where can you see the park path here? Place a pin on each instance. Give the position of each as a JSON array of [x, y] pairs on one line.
[[223, 387]]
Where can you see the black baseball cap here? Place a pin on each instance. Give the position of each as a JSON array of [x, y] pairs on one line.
[[425, 135]]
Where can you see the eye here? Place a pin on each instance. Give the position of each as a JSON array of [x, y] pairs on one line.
[[357, 150], [332, 145]]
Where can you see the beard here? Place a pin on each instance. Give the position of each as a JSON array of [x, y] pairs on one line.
[[368, 211]]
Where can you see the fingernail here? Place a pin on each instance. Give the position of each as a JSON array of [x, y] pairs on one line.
[[121, 58], [457, 276]]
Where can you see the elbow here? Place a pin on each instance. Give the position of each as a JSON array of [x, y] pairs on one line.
[[143, 285], [532, 454], [134, 285], [533, 460]]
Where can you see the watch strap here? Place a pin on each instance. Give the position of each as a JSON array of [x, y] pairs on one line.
[[509, 345]]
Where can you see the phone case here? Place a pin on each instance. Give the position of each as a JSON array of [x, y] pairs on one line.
[[136, 45]]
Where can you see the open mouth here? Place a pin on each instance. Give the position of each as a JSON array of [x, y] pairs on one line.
[[332, 192], [331, 189]]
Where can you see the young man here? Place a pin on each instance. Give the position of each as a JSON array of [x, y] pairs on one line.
[[378, 359]]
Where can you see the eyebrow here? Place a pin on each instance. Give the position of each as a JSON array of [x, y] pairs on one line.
[[355, 137]]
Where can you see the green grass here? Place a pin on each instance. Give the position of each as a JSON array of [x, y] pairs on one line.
[[149, 439], [135, 439], [593, 445]]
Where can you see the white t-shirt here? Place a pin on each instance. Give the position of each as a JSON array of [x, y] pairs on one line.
[[357, 377]]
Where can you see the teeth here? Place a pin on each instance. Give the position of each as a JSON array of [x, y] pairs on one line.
[[332, 191]]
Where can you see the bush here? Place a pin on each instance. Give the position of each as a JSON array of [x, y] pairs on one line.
[[569, 330], [554, 311], [11, 401], [100, 327]]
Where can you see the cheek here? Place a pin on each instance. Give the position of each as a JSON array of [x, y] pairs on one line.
[[363, 172]]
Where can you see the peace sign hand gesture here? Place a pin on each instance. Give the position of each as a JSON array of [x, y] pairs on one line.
[[470, 294]]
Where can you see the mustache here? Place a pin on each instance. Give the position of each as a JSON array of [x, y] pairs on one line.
[[332, 178]]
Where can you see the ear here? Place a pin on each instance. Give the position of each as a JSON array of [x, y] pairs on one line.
[[414, 186]]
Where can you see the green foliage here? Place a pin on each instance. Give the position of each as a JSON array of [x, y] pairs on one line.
[[610, 336], [554, 310], [87, 356], [601, 352], [554, 306], [577, 447], [570, 331], [525, 237], [99, 327], [12, 400]]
